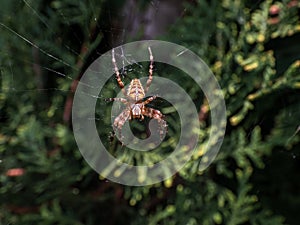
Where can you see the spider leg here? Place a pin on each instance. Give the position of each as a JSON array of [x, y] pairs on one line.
[[121, 119], [120, 82], [150, 70], [156, 114], [149, 100], [123, 100]]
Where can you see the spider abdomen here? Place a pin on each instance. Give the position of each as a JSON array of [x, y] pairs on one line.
[[135, 90]]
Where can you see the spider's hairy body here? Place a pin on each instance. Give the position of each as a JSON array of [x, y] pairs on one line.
[[135, 90], [135, 100]]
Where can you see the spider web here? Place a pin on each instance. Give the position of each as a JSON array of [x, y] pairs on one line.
[[55, 63], [113, 33]]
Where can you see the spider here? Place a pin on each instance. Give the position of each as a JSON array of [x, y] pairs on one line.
[[136, 104]]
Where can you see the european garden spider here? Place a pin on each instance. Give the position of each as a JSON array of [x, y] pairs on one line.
[[135, 100]]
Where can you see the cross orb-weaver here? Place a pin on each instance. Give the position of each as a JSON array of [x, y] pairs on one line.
[[135, 100]]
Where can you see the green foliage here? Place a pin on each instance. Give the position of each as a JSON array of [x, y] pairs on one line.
[[46, 45]]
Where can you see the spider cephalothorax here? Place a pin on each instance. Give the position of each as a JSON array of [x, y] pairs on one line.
[[135, 100]]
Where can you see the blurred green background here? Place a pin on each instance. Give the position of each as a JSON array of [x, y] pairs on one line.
[[253, 49]]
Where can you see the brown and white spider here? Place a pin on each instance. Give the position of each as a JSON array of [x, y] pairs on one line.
[[135, 100]]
